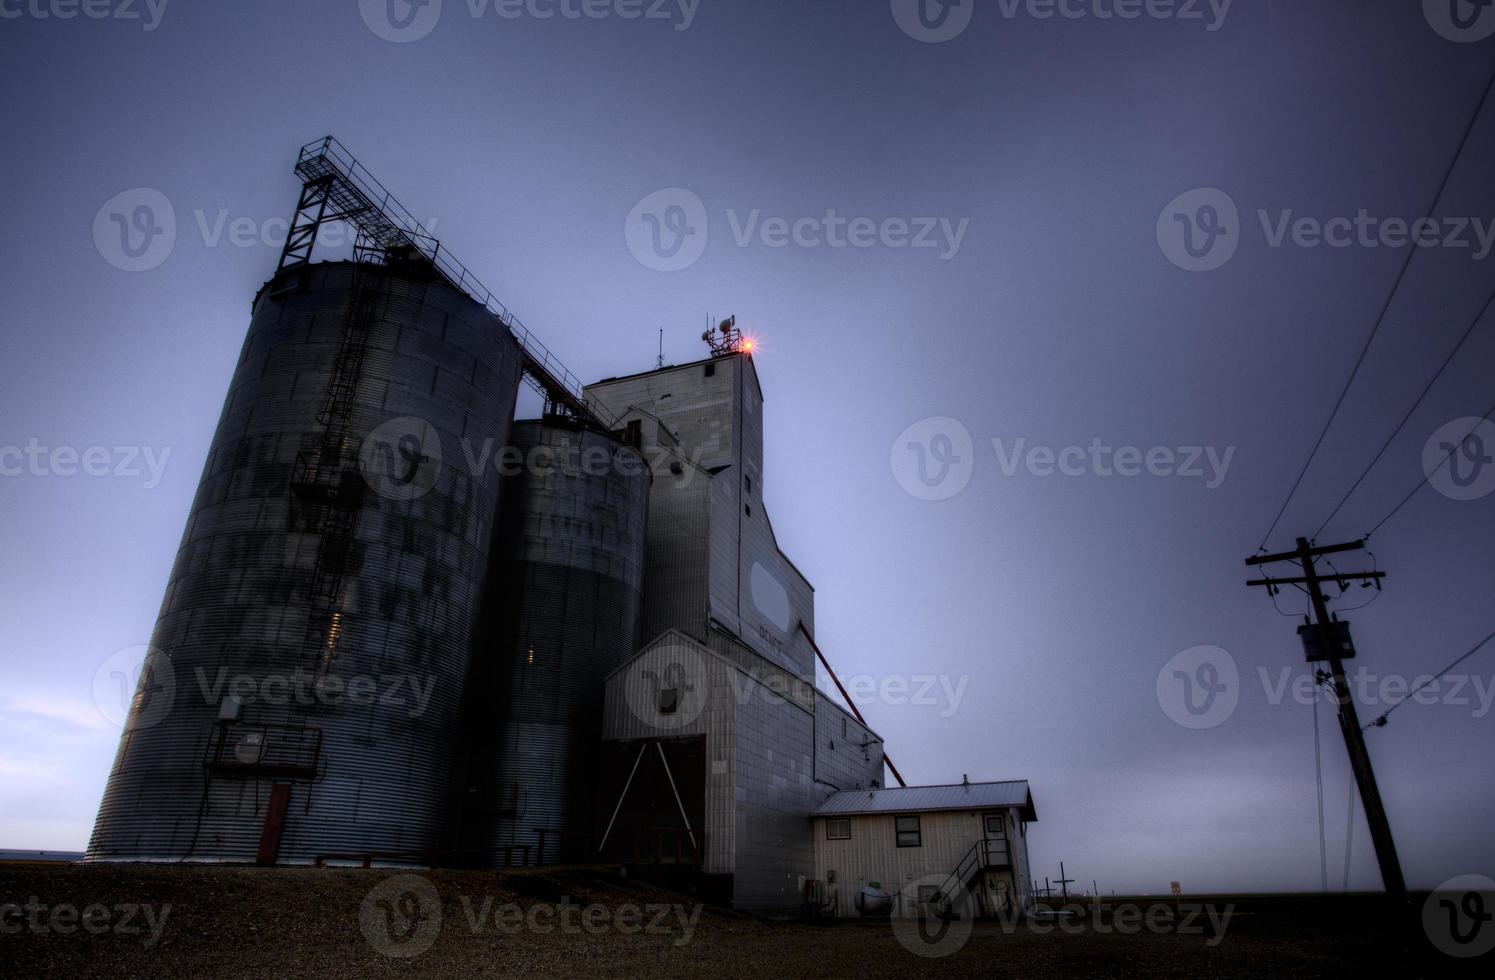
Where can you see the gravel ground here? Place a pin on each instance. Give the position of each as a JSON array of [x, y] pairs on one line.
[[153, 921]]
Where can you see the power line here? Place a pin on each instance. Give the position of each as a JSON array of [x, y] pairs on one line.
[[1376, 594], [1380, 317], [1408, 417], [1471, 652], [1425, 479]]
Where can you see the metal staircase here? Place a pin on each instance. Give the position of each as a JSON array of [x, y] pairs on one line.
[[987, 853], [336, 187]]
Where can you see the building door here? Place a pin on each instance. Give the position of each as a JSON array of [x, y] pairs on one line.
[[997, 853]]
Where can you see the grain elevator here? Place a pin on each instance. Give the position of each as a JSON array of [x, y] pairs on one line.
[[404, 628]]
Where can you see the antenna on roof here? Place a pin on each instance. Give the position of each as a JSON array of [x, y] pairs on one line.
[[660, 362]]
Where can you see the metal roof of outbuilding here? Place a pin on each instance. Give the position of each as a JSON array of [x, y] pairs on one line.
[[915, 799]]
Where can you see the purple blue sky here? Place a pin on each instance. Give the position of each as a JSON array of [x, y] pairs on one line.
[[1052, 144]]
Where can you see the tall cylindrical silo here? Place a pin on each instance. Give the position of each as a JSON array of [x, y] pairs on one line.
[[565, 602], [321, 615]]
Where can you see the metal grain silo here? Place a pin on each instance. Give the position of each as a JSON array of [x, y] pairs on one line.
[[565, 604], [321, 615]]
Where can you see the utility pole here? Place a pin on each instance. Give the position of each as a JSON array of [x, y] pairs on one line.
[[1332, 642], [1064, 882]]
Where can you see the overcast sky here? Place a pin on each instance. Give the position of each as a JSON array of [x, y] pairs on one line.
[[1020, 276]]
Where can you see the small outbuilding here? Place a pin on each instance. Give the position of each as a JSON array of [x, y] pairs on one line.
[[926, 847]]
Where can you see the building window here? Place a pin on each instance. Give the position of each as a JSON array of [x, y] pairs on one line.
[[748, 483], [669, 700], [907, 831], [710, 370], [747, 509], [838, 829]]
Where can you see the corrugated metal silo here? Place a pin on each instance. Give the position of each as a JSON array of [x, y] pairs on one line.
[[321, 616], [566, 606]]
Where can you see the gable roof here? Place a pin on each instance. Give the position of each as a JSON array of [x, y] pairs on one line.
[[922, 799]]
